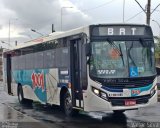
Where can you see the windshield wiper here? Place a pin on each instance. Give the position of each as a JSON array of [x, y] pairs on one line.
[[118, 49], [121, 53], [129, 55]]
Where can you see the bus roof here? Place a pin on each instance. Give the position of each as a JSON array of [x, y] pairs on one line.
[[52, 36], [57, 35]]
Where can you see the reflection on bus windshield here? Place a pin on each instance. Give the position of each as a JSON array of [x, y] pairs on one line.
[[114, 60]]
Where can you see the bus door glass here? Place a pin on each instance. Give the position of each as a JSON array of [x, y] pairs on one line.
[[75, 54]]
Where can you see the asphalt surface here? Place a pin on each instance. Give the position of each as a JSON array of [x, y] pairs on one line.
[[12, 118], [42, 116]]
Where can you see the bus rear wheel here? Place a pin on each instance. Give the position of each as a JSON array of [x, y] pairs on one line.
[[67, 105]]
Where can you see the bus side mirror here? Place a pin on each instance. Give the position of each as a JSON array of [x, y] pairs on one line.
[[88, 49], [158, 71]]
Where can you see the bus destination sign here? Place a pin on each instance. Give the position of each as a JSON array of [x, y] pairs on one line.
[[121, 30]]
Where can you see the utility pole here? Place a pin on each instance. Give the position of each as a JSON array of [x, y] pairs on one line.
[[148, 13], [9, 31], [123, 9], [53, 30]]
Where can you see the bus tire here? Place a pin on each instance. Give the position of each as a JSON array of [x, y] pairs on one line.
[[20, 95], [118, 112], [67, 105]]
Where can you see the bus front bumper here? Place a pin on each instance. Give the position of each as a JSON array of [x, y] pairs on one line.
[[93, 103]]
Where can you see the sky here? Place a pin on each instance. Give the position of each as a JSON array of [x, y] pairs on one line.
[[24, 15]]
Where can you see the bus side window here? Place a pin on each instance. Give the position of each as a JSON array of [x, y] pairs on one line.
[[65, 57], [30, 61], [49, 60], [39, 59]]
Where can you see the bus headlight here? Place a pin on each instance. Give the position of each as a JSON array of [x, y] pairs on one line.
[[96, 91], [104, 95], [155, 87], [100, 93], [153, 90]]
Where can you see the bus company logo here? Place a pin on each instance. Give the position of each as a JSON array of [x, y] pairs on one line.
[[38, 80], [136, 92], [106, 72]]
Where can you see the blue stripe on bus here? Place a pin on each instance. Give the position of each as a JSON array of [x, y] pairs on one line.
[[146, 88], [25, 78], [141, 89], [112, 89]]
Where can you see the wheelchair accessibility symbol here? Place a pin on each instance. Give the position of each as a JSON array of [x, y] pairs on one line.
[[133, 71]]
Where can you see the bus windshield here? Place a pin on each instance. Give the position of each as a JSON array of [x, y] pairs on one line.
[[122, 59]]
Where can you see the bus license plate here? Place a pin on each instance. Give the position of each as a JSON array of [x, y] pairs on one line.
[[130, 102]]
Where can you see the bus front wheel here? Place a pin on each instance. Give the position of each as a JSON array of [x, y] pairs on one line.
[[67, 105]]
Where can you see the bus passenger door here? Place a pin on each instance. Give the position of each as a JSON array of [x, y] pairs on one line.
[[75, 63], [8, 71]]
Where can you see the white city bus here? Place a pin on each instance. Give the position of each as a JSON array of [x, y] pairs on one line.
[[106, 67]]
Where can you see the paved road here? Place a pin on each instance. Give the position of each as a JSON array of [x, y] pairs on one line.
[[12, 118], [42, 116]]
